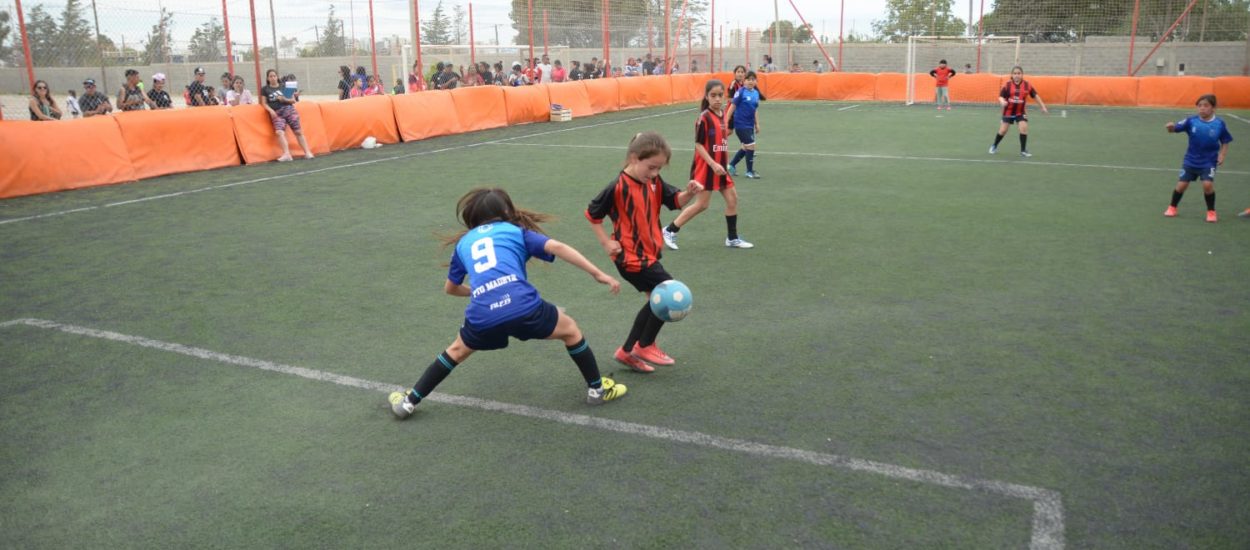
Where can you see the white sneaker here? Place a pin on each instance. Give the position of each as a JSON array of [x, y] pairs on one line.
[[670, 239], [738, 243], [993, 149], [1026, 154]]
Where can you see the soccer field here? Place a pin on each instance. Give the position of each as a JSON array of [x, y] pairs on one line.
[[929, 347]]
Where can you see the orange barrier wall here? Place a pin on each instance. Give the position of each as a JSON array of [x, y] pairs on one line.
[[347, 123], [637, 93], [604, 95], [527, 104], [571, 96], [847, 86], [687, 87], [480, 108], [43, 157], [1232, 92], [1172, 91], [1052, 89], [185, 140], [790, 86], [254, 133], [1102, 90], [426, 115], [891, 87]]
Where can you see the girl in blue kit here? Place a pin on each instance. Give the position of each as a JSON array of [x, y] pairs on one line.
[[744, 113], [1208, 144], [492, 253]]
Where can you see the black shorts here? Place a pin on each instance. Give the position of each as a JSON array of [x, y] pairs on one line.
[[647, 279], [1015, 119], [535, 325]]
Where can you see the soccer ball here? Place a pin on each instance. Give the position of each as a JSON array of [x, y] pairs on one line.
[[671, 300], [370, 143]]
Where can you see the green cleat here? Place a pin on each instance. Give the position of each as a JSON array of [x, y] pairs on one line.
[[400, 405]]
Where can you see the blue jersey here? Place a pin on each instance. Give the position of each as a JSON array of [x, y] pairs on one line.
[[493, 257], [746, 101], [1205, 139]]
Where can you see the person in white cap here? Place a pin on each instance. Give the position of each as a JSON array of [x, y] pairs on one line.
[[158, 94]]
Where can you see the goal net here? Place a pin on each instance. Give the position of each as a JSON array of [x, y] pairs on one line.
[[963, 54]]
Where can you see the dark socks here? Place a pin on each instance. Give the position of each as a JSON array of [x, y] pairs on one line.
[[434, 374], [651, 330], [997, 138], [1210, 200], [1024, 142], [731, 222], [737, 157], [672, 227], [640, 323], [750, 160], [585, 360], [1176, 197]]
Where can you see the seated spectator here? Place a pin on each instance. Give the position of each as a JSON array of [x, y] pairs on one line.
[[817, 67], [227, 82], [42, 106], [632, 68], [795, 68], [648, 65], [593, 69], [197, 94], [517, 78], [451, 80], [361, 75], [358, 88], [558, 74], [212, 96], [659, 66], [92, 101], [291, 78], [130, 97], [617, 72], [373, 86], [159, 97], [399, 87], [483, 70], [282, 112], [694, 65], [345, 82], [238, 94], [501, 77], [71, 105], [471, 77], [575, 70], [968, 68]]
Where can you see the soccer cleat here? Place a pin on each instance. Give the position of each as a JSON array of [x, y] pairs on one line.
[[1211, 217], [400, 405], [738, 243], [609, 392], [652, 354], [1170, 212], [634, 363], [670, 239], [733, 170], [993, 149], [948, 107], [753, 175], [1244, 214], [1026, 154]]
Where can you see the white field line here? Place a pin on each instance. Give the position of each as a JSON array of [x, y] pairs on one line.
[[341, 166], [900, 157], [1238, 118], [1047, 526], [848, 108]]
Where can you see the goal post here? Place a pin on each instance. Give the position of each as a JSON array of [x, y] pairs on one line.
[[994, 54]]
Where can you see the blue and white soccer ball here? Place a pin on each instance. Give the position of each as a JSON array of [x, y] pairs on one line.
[[671, 300]]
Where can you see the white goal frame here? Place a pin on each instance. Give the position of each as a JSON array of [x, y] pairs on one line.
[[910, 65]]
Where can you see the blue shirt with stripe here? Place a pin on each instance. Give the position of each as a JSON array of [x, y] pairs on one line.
[[746, 101], [1205, 139], [493, 257]]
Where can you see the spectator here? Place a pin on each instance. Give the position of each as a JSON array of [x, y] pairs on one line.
[[361, 75], [590, 69], [71, 105], [517, 78], [399, 87], [601, 68], [617, 72], [968, 68], [817, 67], [130, 97], [358, 88], [451, 80], [472, 77], [648, 65], [282, 112], [159, 96], [544, 71], [694, 65], [436, 80], [289, 81], [558, 74], [42, 106], [659, 67], [92, 101], [483, 69], [768, 66], [227, 82], [345, 82], [198, 95], [632, 68], [501, 77], [575, 70], [211, 93], [531, 71], [416, 83], [676, 67], [238, 94], [795, 68], [373, 86]]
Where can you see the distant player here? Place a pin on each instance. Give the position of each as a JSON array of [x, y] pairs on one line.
[[1015, 93], [711, 154], [942, 77], [633, 202], [492, 251], [1208, 144], [744, 112]]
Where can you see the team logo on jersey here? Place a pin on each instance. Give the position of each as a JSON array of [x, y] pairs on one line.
[[484, 228]]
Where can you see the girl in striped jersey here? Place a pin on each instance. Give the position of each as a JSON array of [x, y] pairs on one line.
[[633, 200], [711, 154], [1013, 97]]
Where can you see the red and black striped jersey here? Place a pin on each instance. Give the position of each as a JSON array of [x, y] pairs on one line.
[[1016, 96], [634, 208], [711, 132], [733, 88]]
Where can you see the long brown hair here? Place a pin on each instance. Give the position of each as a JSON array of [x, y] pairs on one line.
[[487, 204], [34, 91]]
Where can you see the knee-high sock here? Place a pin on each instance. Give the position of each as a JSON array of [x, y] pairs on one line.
[[750, 160], [1024, 142], [1210, 200], [737, 157], [585, 360], [640, 322], [434, 374], [651, 331]]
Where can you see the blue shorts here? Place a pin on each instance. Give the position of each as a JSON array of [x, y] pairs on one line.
[[535, 325], [1015, 119], [746, 136], [1189, 173]]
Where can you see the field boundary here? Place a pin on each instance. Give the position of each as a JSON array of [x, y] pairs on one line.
[[1048, 517]]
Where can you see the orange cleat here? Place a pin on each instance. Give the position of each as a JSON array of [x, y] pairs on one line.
[[1211, 217], [1170, 212], [629, 360], [652, 354], [1244, 214]]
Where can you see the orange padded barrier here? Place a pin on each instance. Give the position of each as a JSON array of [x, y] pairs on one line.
[[347, 123], [480, 107], [1052, 89], [571, 96], [1232, 92], [686, 87], [1102, 90], [604, 95], [183, 140], [527, 104], [891, 87], [967, 88], [426, 114], [638, 92], [253, 130], [790, 85], [1172, 91], [42, 157], [846, 86]]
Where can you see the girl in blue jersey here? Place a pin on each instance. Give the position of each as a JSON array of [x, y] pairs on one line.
[[743, 111], [1208, 143], [492, 252]]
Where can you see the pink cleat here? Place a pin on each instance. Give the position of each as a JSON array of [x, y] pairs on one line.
[[1170, 212], [1211, 217], [631, 361], [653, 354]]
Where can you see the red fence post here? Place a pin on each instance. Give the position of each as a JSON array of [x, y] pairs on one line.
[[1132, 41], [472, 45], [21, 26], [225, 18], [373, 45], [416, 23], [256, 50]]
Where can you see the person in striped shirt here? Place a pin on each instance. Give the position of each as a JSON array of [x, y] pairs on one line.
[[1013, 97], [633, 200]]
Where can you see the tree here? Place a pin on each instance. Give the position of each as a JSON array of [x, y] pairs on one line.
[[460, 24], [1056, 20], [788, 32], [74, 39], [906, 18], [576, 23], [438, 30], [41, 31], [331, 41], [5, 29], [158, 47], [205, 40]]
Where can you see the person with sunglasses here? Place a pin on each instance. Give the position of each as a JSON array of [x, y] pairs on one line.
[[42, 106], [93, 102]]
